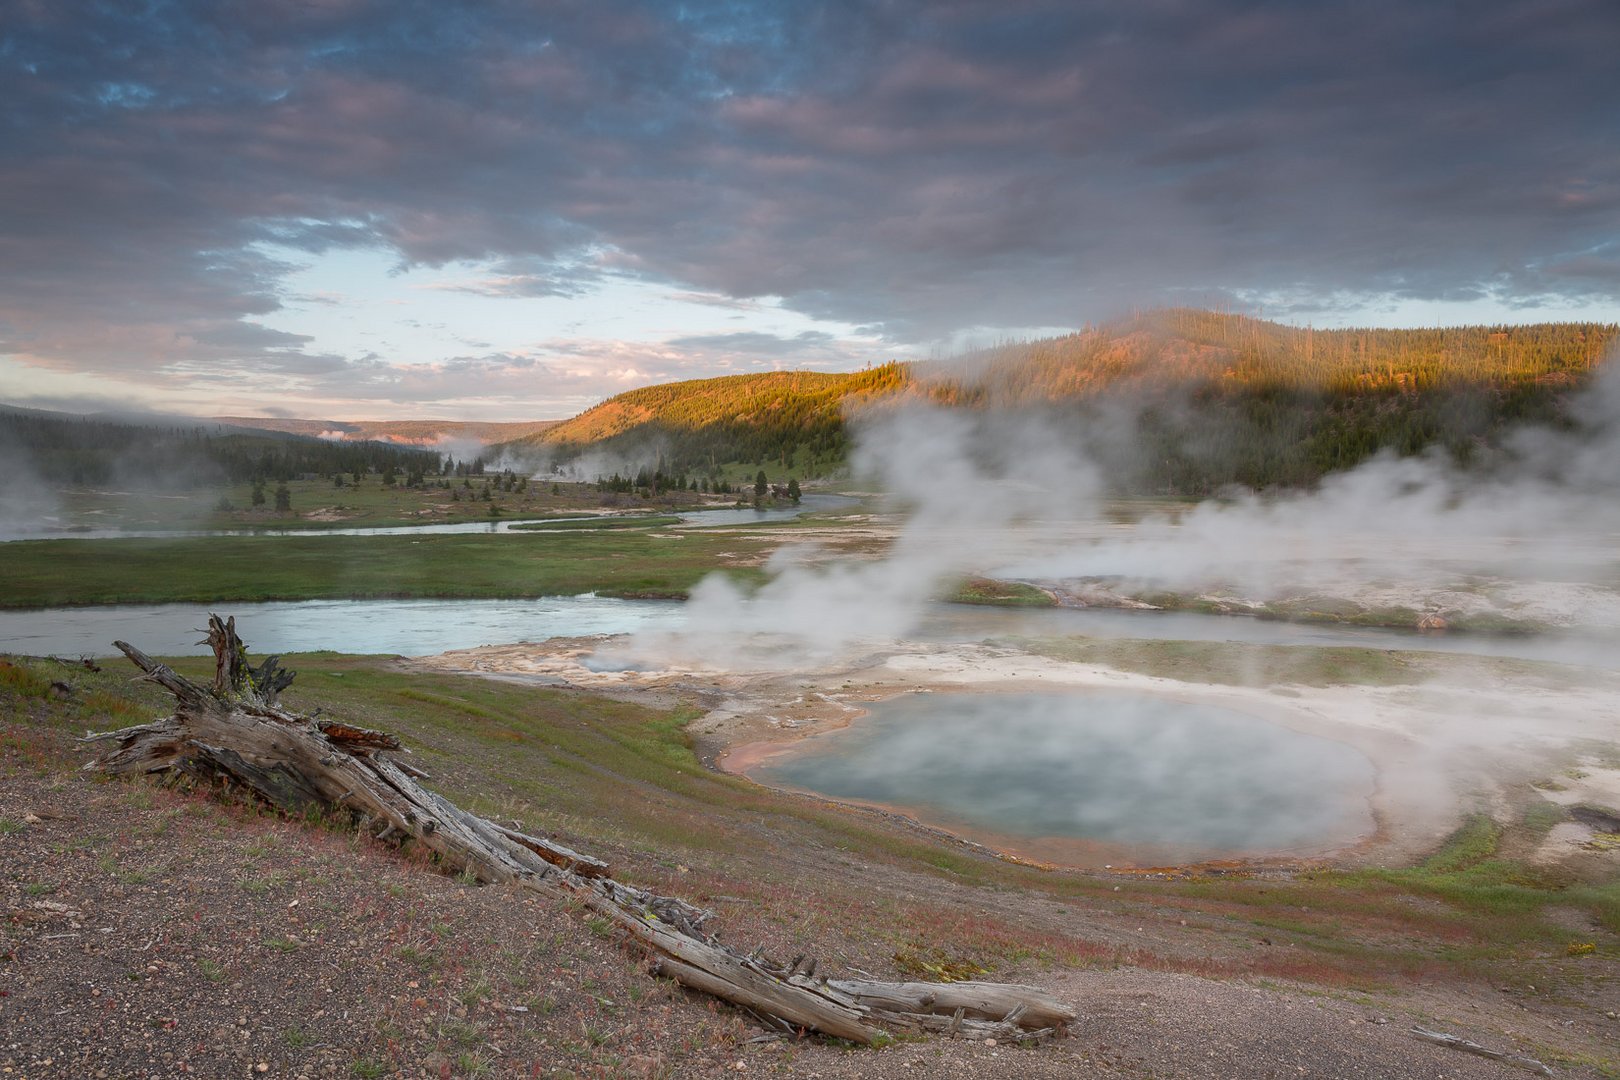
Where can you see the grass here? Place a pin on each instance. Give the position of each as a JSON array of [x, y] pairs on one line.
[[978, 590], [23, 679], [51, 573], [1236, 663], [1334, 610], [1540, 816], [1470, 873], [317, 505], [935, 965]]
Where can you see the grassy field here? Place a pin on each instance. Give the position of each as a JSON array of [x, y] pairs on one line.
[[625, 562], [566, 553], [1237, 663], [317, 504]]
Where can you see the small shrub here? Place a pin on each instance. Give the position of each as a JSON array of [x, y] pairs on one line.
[[23, 680], [936, 965]]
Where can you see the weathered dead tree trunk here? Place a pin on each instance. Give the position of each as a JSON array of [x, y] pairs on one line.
[[233, 734]]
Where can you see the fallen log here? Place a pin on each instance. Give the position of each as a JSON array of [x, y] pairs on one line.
[[1457, 1042], [234, 733]]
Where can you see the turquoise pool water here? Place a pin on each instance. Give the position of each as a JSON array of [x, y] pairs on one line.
[[1124, 772]]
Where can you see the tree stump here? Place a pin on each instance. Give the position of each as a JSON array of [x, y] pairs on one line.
[[234, 734]]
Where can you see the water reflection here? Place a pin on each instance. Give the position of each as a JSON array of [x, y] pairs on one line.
[[689, 519]]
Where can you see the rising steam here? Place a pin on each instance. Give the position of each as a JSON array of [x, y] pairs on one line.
[[1005, 496]]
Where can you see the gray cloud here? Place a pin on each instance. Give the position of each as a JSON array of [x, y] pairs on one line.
[[912, 167], [715, 300], [755, 343]]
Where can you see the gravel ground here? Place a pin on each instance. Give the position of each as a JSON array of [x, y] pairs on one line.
[[149, 934]]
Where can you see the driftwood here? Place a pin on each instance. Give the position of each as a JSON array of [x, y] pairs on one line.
[[1457, 1042], [235, 735]]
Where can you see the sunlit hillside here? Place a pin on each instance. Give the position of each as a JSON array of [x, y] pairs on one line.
[[1215, 399], [1186, 347], [785, 416]]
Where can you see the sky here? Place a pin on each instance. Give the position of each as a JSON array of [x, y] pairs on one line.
[[371, 209]]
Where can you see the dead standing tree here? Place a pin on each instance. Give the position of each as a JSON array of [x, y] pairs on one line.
[[233, 734]]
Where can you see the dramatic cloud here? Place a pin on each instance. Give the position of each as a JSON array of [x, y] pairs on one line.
[[912, 167]]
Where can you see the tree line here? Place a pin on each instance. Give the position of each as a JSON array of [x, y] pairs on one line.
[[88, 452]]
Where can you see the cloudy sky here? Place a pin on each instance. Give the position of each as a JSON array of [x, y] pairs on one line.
[[509, 210]]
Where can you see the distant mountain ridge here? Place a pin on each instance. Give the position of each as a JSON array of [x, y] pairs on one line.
[[405, 432], [151, 451], [145, 419]]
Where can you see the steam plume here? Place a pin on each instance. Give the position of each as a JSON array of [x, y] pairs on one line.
[[1002, 495]]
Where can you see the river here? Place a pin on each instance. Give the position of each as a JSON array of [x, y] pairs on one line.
[[745, 515], [426, 627]]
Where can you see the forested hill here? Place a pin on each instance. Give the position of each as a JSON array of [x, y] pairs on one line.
[[174, 454], [791, 417], [1211, 352], [1214, 399]]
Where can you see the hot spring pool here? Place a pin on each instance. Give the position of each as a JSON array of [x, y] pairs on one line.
[[1086, 778]]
